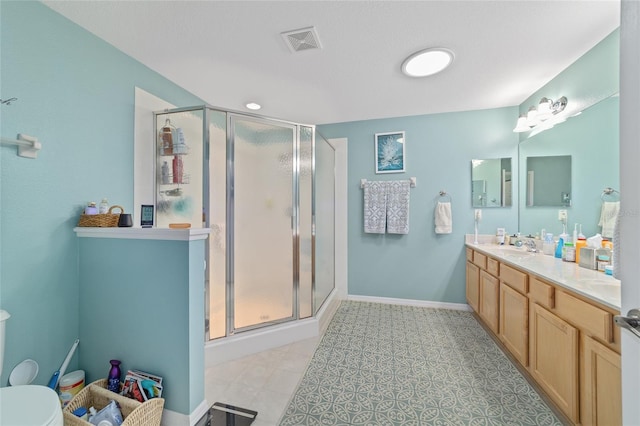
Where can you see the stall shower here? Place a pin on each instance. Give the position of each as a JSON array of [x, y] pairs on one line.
[[265, 187]]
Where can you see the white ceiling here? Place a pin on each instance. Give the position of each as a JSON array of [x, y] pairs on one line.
[[231, 52]]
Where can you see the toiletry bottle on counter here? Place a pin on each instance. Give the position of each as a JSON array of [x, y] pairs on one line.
[[569, 254], [582, 242], [548, 245], [559, 248]]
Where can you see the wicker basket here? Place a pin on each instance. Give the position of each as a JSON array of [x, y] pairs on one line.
[[105, 220], [96, 395]]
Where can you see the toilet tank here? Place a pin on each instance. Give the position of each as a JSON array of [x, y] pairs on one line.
[[4, 316]]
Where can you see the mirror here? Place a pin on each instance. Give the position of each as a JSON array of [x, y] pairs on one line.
[[549, 181], [491, 183], [591, 139]]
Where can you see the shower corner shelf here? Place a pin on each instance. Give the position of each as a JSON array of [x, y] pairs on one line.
[[186, 179], [184, 150]]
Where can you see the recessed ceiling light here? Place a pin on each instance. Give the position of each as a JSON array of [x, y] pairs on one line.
[[427, 62], [254, 106]]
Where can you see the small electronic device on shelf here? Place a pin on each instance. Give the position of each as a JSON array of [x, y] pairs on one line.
[[146, 217]]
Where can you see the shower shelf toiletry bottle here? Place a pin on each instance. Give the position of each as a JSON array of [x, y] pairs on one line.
[[165, 173], [113, 382], [177, 169]]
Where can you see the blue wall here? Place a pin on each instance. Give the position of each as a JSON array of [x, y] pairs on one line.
[[141, 301], [76, 94], [439, 150]]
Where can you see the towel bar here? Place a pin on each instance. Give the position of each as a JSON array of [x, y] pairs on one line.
[[412, 180]]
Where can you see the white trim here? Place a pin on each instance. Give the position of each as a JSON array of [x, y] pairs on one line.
[[255, 341], [144, 155], [189, 234], [411, 302], [173, 418], [341, 219]]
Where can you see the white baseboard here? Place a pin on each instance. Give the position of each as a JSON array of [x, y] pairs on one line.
[[173, 418], [410, 302]]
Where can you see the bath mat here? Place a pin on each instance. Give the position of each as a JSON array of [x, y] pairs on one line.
[[221, 414]]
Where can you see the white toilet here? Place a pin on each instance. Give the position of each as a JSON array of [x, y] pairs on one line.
[[27, 405]]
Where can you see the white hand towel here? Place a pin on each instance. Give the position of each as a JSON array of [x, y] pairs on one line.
[[608, 215], [375, 207], [443, 221], [398, 206]]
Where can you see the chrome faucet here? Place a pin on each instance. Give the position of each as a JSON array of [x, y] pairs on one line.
[[531, 246]]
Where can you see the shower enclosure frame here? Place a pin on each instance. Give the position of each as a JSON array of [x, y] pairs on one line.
[[230, 116]]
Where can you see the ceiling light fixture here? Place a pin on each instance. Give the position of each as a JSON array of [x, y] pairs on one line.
[[427, 62], [537, 115], [253, 106]]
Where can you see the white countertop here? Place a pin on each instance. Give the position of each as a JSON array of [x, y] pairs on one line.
[[592, 284]]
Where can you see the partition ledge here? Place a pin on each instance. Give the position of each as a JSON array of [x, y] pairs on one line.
[[189, 234]]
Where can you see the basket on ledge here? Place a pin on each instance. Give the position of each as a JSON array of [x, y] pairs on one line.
[[105, 220]]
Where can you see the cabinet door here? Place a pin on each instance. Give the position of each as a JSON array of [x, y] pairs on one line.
[[473, 283], [514, 323], [489, 300], [600, 385], [553, 356]]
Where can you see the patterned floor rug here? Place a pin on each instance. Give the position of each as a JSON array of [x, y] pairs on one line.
[[380, 364]]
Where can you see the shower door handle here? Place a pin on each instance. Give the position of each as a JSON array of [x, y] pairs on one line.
[[631, 322]]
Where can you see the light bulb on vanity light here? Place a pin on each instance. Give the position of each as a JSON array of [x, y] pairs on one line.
[[521, 125]]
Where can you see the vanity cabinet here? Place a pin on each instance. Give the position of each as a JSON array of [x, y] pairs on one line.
[[567, 343], [600, 389], [514, 323], [554, 359], [489, 300], [473, 286]]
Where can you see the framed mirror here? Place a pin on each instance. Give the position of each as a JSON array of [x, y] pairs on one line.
[[491, 183], [549, 181]]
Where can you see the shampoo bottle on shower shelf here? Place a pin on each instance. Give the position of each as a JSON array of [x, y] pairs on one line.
[[113, 382], [177, 169], [165, 173]]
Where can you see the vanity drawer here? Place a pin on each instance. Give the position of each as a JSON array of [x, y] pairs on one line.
[[595, 321], [480, 260], [513, 278], [541, 292], [469, 255], [493, 266]]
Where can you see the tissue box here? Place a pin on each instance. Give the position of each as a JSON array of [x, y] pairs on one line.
[[588, 258]]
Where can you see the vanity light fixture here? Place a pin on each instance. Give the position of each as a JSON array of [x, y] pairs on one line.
[[537, 115], [427, 62], [253, 106]]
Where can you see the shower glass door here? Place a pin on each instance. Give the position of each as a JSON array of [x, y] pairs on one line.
[[262, 178]]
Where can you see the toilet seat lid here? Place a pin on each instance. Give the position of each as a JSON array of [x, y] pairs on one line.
[[28, 405]]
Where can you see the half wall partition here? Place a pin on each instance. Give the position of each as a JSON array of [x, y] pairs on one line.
[[265, 187]]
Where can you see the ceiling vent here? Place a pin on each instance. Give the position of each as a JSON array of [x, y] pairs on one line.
[[302, 39]]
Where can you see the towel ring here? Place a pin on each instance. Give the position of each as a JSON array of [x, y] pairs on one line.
[[608, 192], [443, 194]]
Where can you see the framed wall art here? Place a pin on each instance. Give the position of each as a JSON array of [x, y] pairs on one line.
[[390, 153]]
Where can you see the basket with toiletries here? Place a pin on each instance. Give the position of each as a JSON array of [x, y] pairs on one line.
[[134, 413], [105, 220]]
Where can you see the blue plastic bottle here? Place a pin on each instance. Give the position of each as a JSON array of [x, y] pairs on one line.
[[559, 248]]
